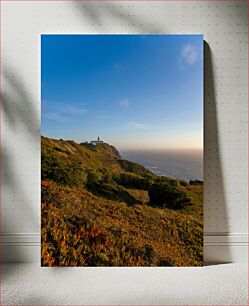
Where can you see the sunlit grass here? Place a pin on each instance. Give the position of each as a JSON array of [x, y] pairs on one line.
[[96, 213]]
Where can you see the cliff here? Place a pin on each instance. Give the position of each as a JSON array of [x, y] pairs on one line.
[[100, 210]]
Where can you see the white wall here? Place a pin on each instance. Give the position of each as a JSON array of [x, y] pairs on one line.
[[224, 25]]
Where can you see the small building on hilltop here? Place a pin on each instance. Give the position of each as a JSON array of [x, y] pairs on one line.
[[95, 142]]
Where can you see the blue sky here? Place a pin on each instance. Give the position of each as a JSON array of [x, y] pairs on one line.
[[134, 91]]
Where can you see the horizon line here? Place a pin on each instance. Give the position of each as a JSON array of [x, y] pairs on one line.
[[131, 148]]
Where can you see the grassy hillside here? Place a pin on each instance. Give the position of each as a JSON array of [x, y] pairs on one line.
[[100, 210]]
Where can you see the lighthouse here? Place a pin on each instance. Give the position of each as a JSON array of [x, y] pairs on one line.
[[95, 142]]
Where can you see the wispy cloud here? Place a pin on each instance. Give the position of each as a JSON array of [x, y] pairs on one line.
[[141, 126], [62, 112], [74, 109], [189, 55], [105, 116], [124, 103]]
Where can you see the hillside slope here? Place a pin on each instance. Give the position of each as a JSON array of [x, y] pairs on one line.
[[101, 210]]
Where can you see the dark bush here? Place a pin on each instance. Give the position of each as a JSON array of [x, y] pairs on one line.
[[166, 262], [106, 175], [183, 183], [131, 180], [93, 177], [112, 191], [195, 182], [167, 196]]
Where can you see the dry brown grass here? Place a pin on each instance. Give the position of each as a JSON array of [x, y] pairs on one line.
[[139, 235]]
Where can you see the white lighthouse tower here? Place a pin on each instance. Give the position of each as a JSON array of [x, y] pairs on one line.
[[95, 142]]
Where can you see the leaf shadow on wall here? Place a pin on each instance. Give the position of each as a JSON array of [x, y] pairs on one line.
[[21, 118], [131, 21], [28, 121]]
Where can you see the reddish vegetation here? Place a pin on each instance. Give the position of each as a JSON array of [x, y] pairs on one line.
[[94, 216]]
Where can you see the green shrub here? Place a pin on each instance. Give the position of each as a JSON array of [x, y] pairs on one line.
[[112, 191], [195, 182], [72, 174], [131, 180], [134, 168], [93, 177], [183, 183], [106, 175], [167, 196]]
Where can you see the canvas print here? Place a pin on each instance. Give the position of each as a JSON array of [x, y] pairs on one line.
[[122, 150]]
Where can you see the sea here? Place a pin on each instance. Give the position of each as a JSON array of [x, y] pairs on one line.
[[179, 164]]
